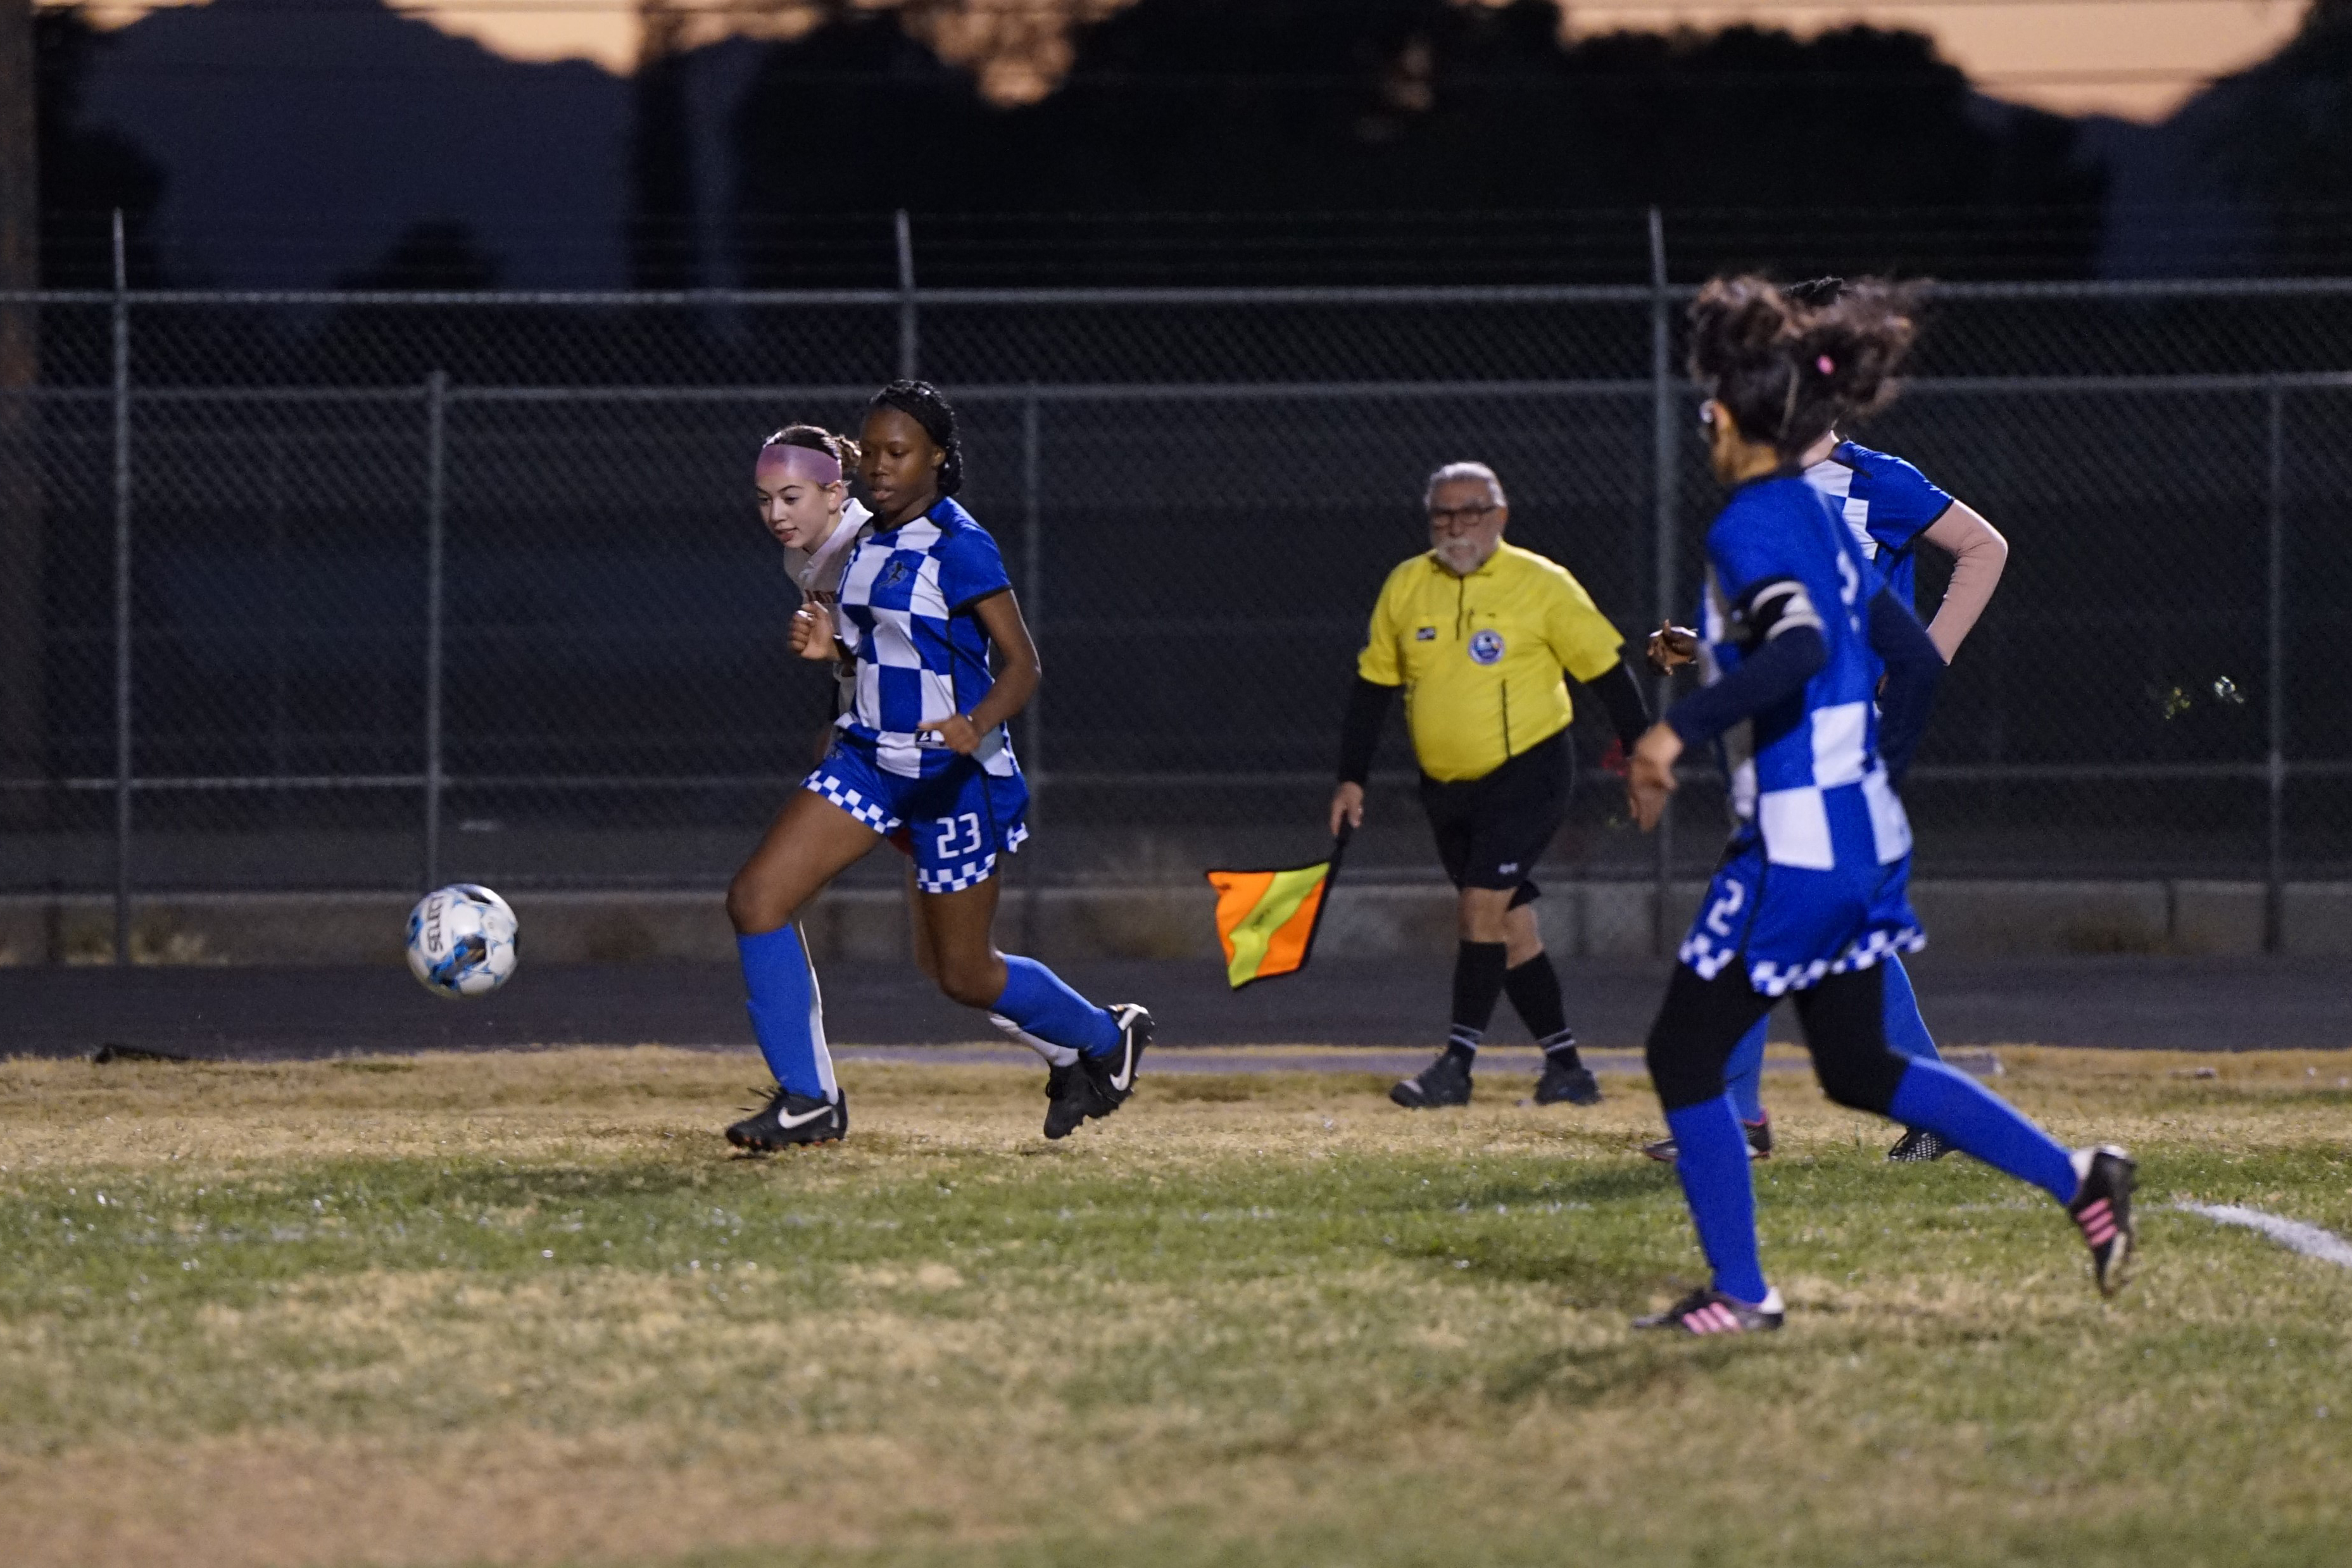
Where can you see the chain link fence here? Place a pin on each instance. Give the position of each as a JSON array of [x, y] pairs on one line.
[[340, 590]]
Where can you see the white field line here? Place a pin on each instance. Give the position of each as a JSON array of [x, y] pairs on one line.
[[2293, 1234]]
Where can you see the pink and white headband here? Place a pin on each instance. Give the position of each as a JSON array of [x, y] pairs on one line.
[[782, 460]]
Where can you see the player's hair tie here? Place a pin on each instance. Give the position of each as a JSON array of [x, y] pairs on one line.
[[1825, 365], [790, 460]]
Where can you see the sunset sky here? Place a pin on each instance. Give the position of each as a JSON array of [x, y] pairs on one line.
[[2134, 57]]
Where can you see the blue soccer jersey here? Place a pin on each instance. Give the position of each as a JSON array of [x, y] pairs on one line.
[[920, 657], [1888, 504], [1814, 879]]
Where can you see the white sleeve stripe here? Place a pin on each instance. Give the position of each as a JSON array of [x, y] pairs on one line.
[[1783, 605]]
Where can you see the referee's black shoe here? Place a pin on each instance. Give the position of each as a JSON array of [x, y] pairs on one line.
[[1095, 1086], [789, 1119], [1445, 1081], [1566, 1081]]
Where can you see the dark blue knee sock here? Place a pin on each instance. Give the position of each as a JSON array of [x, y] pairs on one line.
[[1743, 1075], [1976, 1121], [1035, 998], [1711, 1158], [787, 1015], [1906, 1031]]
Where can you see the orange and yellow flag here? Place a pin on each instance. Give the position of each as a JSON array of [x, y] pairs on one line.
[[1266, 919]]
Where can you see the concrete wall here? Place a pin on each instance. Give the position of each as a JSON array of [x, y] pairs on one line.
[[1580, 919]]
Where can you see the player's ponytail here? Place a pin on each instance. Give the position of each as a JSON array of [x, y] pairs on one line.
[[921, 402], [1791, 365], [1848, 351]]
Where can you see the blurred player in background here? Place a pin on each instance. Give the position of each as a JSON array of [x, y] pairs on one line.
[[1477, 633], [1812, 893], [921, 603], [1892, 508]]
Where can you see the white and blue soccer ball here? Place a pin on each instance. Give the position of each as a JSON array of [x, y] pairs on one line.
[[461, 940]]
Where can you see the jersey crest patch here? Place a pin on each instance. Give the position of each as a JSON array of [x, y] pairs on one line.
[[1486, 647]]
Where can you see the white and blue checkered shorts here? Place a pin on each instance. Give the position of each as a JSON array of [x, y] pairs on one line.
[[954, 823]]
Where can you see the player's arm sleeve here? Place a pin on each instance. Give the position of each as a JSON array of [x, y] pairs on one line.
[[1904, 503], [1773, 617], [970, 570], [1915, 668], [1978, 555], [1360, 728], [1621, 693]]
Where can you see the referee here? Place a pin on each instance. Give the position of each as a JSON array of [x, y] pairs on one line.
[[1477, 632]]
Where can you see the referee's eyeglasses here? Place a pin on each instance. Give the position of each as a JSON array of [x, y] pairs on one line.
[[1461, 517]]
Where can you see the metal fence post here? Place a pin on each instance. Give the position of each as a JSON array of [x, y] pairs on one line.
[[436, 403], [1032, 611], [1662, 471], [122, 599], [909, 343], [2274, 877]]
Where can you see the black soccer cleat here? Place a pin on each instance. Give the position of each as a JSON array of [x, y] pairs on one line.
[[790, 1119], [1759, 1142], [2102, 1209], [1565, 1083], [1917, 1145], [1712, 1311], [1445, 1081], [1058, 1079], [1095, 1086]]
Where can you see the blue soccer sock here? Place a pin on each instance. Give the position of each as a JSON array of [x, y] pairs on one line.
[[787, 1012], [1035, 1000], [1743, 1074], [1976, 1121], [1906, 1031], [1711, 1158]]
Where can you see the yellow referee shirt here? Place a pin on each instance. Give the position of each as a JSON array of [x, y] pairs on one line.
[[1480, 656]]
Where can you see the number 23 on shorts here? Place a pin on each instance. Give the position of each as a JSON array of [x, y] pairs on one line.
[[966, 826]]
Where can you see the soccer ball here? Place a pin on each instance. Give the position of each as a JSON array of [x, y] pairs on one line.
[[461, 940]]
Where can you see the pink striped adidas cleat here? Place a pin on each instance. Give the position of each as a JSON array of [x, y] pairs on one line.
[[1712, 1311], [2103, 1210]]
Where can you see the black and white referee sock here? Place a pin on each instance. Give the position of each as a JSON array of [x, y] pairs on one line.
[[1534, 989], [1478, 973]]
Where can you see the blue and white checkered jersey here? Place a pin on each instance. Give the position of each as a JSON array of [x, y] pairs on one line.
[[921, 656], [1793, 766], [1888, 504]]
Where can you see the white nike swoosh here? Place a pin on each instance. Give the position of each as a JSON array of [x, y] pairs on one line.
[[805, 1117]]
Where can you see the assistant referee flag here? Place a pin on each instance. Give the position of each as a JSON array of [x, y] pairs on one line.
[[1266, 919]]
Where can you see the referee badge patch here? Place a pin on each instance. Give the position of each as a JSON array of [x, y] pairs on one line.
[[1486, 647]]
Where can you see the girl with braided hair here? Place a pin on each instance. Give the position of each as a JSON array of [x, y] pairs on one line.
[[920, 749]]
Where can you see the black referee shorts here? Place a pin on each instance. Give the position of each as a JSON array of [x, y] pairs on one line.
[[1492, 830]]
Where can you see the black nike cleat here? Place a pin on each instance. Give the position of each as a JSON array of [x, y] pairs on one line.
[[788, 1119], [1565, 1082], [2102, 1209], [1759, 1142], [1917, 1145], [1058, 1079], [1445, 1081], [1095, 1086], [1712, 1311]]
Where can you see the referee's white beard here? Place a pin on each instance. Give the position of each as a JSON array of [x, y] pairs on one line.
[[1463, 556]]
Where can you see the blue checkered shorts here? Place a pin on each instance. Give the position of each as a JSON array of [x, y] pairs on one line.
[[955, 822]]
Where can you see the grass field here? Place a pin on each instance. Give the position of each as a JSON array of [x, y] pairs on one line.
[[525, 1308]]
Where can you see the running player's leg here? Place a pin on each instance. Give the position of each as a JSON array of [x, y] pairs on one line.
[[1845, 1022], [1744, 1073], [926, 960], [1906, 1031], [810, 841], [1696, 1027]]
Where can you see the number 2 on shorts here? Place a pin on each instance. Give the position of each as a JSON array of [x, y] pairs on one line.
[[971, 829], [1718, 917]]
